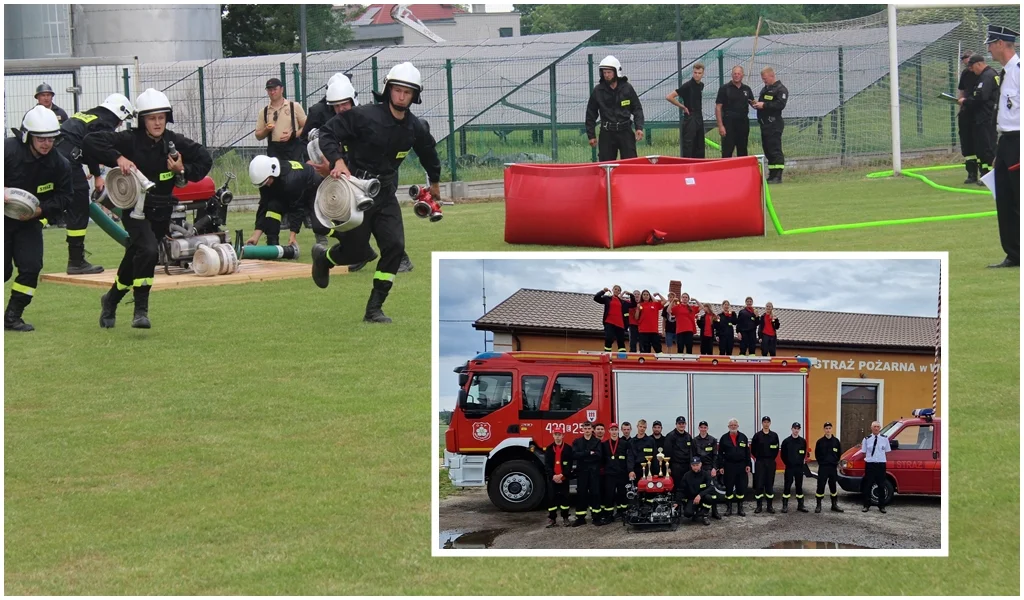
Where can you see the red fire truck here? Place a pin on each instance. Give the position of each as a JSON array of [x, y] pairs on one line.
[[508, 402]]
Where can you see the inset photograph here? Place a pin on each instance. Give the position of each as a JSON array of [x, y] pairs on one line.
[[690, 404]]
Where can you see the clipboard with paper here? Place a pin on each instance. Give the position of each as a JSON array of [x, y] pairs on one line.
[[949, 98]]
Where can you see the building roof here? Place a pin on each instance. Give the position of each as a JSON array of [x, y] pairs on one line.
[[540, 311], [380, 14]]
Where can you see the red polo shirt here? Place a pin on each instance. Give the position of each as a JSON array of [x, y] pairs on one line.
[[649, 314], [614, 313]]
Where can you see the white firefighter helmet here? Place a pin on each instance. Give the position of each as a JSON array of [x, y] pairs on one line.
[[40, 122], [120, 106], [151, 102], [610, 62], [405, 74], [340, 91], [336, 77], [263, 167]]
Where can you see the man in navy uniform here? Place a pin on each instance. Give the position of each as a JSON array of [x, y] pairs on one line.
[[1000, 43]]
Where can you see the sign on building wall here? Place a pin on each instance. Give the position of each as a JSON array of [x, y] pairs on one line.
[[851, 364]]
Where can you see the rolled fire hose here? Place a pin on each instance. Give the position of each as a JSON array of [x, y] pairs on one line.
[[206, 262], [339, 203], [128, 191], [313, 148], [21, 204], [107, 224], [229, 262]]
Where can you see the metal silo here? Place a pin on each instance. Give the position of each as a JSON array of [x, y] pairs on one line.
[[154, 33]]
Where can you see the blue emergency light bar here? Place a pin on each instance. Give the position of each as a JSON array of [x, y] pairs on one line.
[[923, 413]]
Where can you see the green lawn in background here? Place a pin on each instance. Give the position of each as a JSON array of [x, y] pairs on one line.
[[262, 440]]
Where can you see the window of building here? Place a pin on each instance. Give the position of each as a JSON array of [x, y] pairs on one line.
[[504, 32]]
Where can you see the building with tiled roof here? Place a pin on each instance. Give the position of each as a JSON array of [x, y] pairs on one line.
[[868, 367], [374, 25]]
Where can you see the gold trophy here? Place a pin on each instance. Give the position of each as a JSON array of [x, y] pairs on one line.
[[661, 460], [647, 468], [668, 471]]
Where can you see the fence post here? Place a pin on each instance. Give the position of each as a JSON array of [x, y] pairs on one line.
[[373, 69], [554, 115], [590, 90], [127, 90], [842, 112], [451, 118], [202, 107], [297, 78], [721, 68], [919, 91], [952, 107], [284, 80]]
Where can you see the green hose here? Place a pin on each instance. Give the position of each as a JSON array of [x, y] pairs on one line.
[[915, 173], [107, 224], [268, 252]]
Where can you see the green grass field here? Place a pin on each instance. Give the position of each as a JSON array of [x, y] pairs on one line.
[[262, 440]]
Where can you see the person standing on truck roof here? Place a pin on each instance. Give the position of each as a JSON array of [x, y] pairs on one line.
[[634, 323], [678, 448], [586, 451], [616, 309], [685, 311], [669, 323], [724, 329], [768, 331], [707, 320], [734, 462], [794, 456], [827, 451], [696, 491], [614, 457], [705, 446], [558, 465], [765, 449], [875, 447], [650, 309], [746, 326]]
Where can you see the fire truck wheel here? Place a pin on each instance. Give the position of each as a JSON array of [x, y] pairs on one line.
[[889, 490], [517, 486]]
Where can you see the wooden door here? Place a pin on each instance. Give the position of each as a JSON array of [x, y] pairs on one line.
[[859, 407]]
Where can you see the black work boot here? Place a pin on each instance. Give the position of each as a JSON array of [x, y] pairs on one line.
[[785, 505], [565, 521], [835, 505], [360, 265], [551, 523], [321, 267], [817, 507], [714, 512], [406, 265], [771, 509], [580, 521], [140, 320], [374, 314], [800, 505], [77, 265], [758, 509], [971, 179], [739, 509], [12, 316], [728, 509], [108, 306]]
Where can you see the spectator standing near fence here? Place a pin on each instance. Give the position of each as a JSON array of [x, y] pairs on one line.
[[44, 97], [732, 107], [981, 102], [964, 120], [616, 102], [770, 104], [689, 98], [281, 120], [1000, 43]]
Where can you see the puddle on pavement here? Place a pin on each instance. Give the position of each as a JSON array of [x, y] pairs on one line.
[[460, 539], [807, 545]]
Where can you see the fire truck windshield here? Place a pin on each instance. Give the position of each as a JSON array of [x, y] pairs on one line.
[[487, 393]]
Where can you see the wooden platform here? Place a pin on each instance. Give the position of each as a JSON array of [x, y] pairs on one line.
[[250, 271]]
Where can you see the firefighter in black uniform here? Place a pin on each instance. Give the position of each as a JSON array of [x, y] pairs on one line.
[[770, 104], [558, 465], [44, 97], [734, 462], [378, 137], [105, 117], [981, 101], [689, 99], [679, 449], [965, 122], [705, 446], [30, 164], [794, 456], [615, 100], [659, 444], [615, 459], [322, 112], [284, 186], [145, 149], [586, 451], [764, 447], [640, 448], [732, 106], [746, 325], [697, 492], [827, 451]]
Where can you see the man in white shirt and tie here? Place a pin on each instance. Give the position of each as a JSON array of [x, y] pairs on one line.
[[875, 447], [1000, 43]]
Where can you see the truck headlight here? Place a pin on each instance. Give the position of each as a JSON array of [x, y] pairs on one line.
[[842, 464]]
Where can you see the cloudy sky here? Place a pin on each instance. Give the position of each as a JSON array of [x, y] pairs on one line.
[[895, 287]]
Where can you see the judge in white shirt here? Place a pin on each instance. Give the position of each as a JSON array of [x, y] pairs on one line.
[[875, 447], [1006, 168]]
